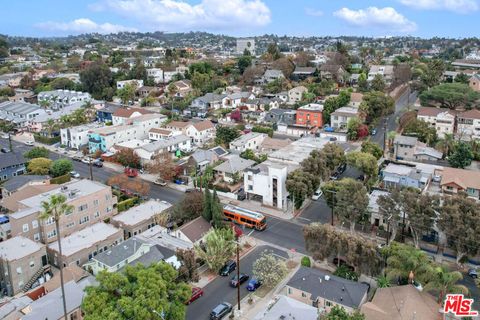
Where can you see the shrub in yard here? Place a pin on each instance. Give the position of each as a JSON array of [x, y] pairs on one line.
[[306, 262]]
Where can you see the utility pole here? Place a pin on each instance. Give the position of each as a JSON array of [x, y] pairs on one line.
[[403, 227], [385, 135], [10, 142], [238, 274], [91, 170]]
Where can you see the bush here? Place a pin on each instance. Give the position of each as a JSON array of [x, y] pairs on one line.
[[305, 262], [61, 179], [344, 271], [126, 204], [61, 167], [261, 129], [46, 140]]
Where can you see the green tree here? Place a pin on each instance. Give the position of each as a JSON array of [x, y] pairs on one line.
[[7, 92], [362, 82], [39, 166], [225, 135], [207, 205], [127, 93], [301, 184], [244, 62], [364, 162], [403, 259], [189, 208], [334, 155], [316, 164], [140, 293], [61, 167], [218, 247], [422, 130], [390, 208], [433, 73], [188, 270], [269, 269], [344, 271], [217, 211], [351, 202], [373, 148], [444, 282], [383, 282], [378, 84], [462, 78], [462, 155], [37, 152], [138, 71], [97, 79], [352, 128], [451, 95], [62, 83], [54, 209], [376, 104], [339, 313]]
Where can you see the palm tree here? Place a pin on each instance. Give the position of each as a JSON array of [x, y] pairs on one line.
[[447, 144], [404, 260], [50, 126], [445, 281], [55, 208]]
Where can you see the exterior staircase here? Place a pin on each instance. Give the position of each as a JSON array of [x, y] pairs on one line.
[[35, 277]]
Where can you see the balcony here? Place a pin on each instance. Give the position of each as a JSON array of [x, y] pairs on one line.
[[93, 140]]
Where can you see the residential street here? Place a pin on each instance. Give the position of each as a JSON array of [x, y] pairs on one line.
[[219, 290]]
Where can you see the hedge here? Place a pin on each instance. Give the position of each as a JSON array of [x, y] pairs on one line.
[[46, 140], [305, 262], [61, 179], [126, 204]]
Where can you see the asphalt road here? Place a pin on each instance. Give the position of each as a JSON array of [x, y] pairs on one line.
[[219, 290], [101, 174]]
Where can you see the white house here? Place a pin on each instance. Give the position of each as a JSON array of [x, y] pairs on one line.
[[201, 132], [172, 144], [235, 100], [124, 115], [156, 74], [134, 82], [468, 125], [340, 117], [62, 98], [233, 167], [251, 140], [19, 113], [386, 71], [77, 137], [442, 119], [155, 134], [295, 94]]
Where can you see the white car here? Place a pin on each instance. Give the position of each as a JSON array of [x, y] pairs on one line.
[[317, 195], [74, 174], [87, 160], [29, 143], [5, 136]]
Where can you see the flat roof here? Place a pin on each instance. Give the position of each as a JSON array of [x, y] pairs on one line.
[[142, 212], [85, 238], [18, 247], [299, 150], [311, 107]]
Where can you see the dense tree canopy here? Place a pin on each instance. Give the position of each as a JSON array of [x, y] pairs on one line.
[[377, 104], [61, 167], [225, 135], [97, 79], [451, 95], [37, 152], [462, 155], [141, 293]]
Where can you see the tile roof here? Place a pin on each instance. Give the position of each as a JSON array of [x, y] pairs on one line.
[[160, 130], [179, 124], [335, 289], [127, 112], [470, 114], [430, 111], [203, 125], [461, 177], [356, 97]]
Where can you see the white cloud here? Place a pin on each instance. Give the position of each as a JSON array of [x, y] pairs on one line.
[[176, 14], [83, 25], [385, 18], [313, 12], [459, 6]]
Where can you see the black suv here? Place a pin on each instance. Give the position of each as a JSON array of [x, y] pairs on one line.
[[235, 282], [228, 268], [221, 310]]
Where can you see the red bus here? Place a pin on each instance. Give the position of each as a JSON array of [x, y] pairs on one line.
[[248, 218]]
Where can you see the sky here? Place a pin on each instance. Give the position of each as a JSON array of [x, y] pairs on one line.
[[373, 18]]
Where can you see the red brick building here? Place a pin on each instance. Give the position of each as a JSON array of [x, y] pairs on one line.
[[310, 115]]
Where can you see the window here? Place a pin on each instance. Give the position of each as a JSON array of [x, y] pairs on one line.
[[19, 270], [32, 264], [51, 234], [83, 207], [35, 224], [20, 284], [328, 303], [109, 209], [97, 214], [107, 197], [84, 219], [95, 202], [304, 295], [70, 224], [49, 221], [25, 227]]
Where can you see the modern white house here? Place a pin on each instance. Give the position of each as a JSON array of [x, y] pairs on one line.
[[77, 137], [62, 98], [442, 119], [251, 140], [340, 117], [134, 82], [156, 74]]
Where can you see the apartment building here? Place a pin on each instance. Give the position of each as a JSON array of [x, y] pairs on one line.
[[79, 247], [135, 129], [19, 113], [92, 201], [340, 117], [295, 95], [20, 261], [62, 98], [140, 218], [251, 140], [409, 148], [156, 74], [174, 144], [442, 119], [310, 115], [77, 137], [468, 125]]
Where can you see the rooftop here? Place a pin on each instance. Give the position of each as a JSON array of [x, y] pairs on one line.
[[234, 164], [19, 107], [12, 202], [195, 229], [346, 111], [431, 111], [203, 125], [470, 114], [286, 308], [11, 159], [165, 143], [321, 284], [244, 139], [311, 107], [142, 212], [120, 252], [463, 178], [299, 150], [86, 238], [409, 141], [18, 247]]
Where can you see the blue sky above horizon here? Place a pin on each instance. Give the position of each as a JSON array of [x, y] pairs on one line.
[[423, 18]]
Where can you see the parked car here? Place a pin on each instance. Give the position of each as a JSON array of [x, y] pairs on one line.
[[74, 174], [196, 293], [86, 160], [5, 136], [335, 176], [237, 281], [253, 284], [190, 190], [77, 158], [418, 286], [29, 143], [98, 163], [160, 182], [473, 273], [5, 150], [317, 194], [228, 268], [131, 172], [220, 311]]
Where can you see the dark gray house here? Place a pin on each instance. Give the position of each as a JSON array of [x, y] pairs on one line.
[[286, 116], [11, 165]]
